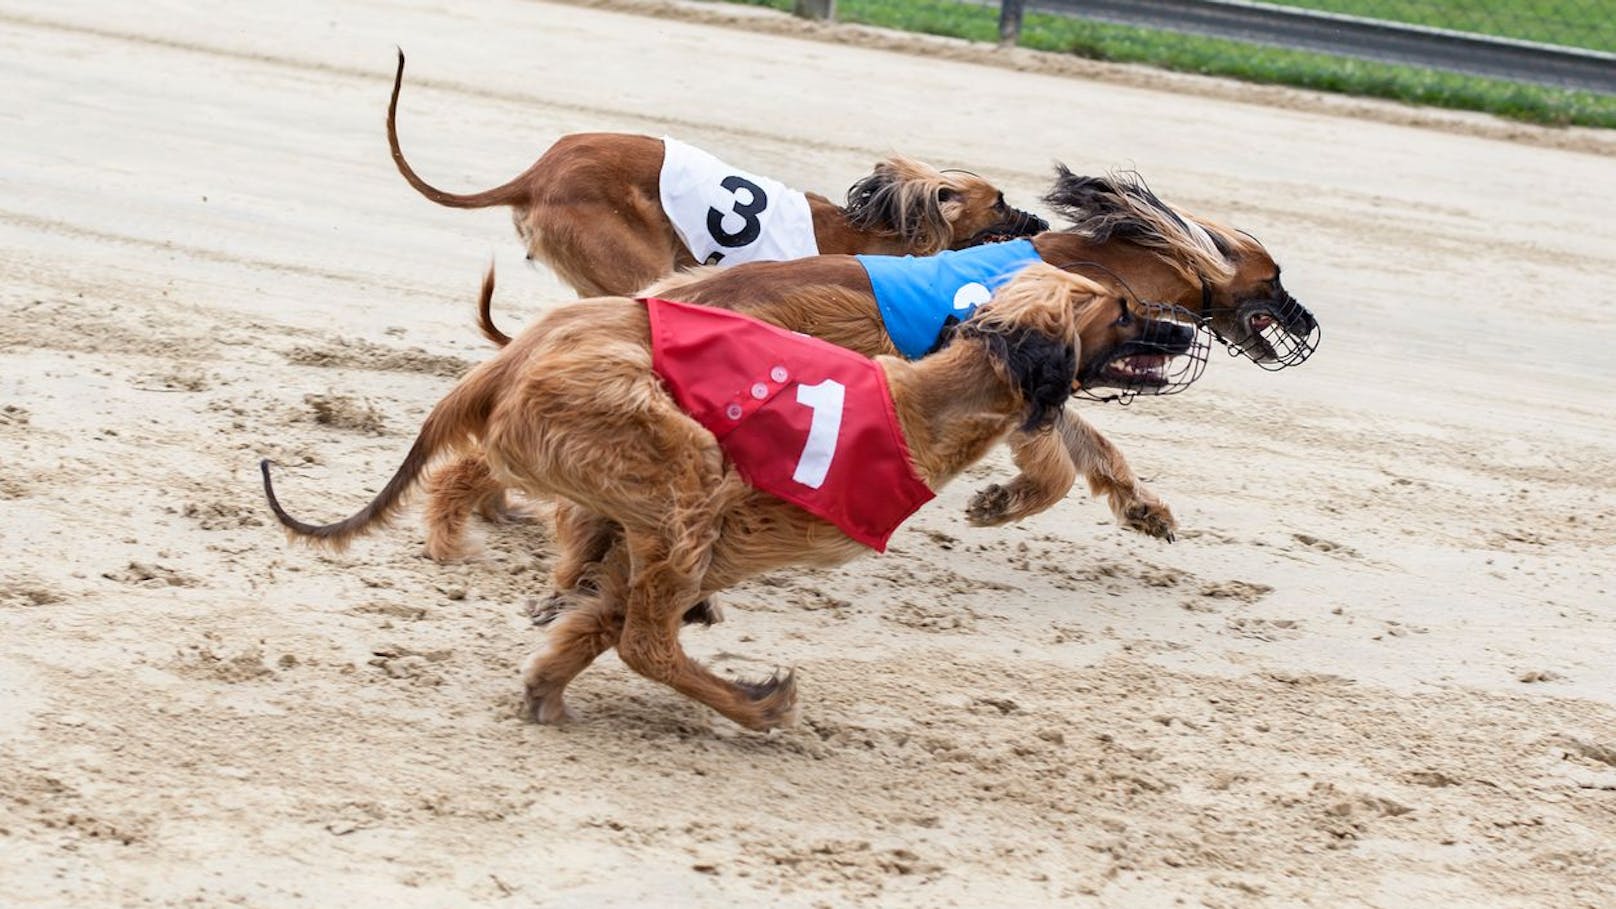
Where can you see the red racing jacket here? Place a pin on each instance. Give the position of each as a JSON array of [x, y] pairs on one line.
[[800, 418]]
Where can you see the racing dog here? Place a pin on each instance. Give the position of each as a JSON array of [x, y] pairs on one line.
[[1121, 234], [610, 212], [607, 403]]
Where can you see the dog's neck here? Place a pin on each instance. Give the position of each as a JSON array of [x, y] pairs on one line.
[[837, 235], [953, 407]]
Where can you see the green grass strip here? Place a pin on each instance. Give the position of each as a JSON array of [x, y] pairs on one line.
[[1250, 62], [1589, 24]]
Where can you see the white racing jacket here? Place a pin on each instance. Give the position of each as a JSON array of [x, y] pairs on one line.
[[726, 216]]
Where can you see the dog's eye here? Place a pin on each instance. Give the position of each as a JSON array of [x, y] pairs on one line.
[[947, 195], [1127, 315]]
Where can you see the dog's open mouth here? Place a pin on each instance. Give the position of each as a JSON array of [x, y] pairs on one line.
[[1278, 333], [1139, 370], [1167, 356]]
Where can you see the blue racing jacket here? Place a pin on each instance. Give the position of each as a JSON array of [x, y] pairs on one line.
[[920, 296]]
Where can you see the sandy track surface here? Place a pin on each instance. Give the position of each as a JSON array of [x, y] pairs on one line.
[[1375, 669]]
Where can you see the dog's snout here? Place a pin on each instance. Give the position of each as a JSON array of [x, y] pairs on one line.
[[1031, 223], [1168, 337], [1296, 316], [1178, 337]]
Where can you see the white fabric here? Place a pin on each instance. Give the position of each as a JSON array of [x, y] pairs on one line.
[[748, 229]]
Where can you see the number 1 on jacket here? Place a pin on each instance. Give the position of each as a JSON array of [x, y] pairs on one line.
[[825, 400]]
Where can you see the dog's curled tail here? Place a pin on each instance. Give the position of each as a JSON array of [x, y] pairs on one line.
[[511, 193], [450, 426], [485, 311]]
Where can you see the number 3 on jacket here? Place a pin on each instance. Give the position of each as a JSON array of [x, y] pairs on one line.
[[726, 215], [799, 418]]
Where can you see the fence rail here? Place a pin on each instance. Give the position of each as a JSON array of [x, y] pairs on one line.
[[1393, 41]]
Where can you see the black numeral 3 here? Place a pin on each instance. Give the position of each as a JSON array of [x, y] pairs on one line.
[[750, 211]]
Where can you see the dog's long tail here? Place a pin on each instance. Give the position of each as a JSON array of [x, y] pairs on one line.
[[485, 312], [451, 426], [511, 193]]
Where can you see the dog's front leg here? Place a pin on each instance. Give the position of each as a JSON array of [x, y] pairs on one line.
[[1047, 475], [1108, 473]]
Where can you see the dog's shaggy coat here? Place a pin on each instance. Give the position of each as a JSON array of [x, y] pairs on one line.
[[572, 409]]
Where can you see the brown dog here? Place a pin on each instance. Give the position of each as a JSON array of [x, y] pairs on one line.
[[592, 208], [1121, 235], [573, 409]]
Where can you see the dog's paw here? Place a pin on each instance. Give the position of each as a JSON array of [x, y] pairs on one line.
[[990, 506], [447, 550], [773, 701], [1148, 515], [543, 612], [542, 696], [545, 708]]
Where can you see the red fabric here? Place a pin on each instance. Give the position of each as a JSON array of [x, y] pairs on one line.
[[770, 397]]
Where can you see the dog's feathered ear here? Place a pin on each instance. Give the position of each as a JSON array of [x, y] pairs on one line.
[[905, 198], [1032, 328], [1045, 368]]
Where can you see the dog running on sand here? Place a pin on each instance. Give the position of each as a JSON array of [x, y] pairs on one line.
[[580, 407]]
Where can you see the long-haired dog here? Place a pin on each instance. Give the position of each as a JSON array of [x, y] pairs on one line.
[[1121, 235], [573, 409], [592, 208]]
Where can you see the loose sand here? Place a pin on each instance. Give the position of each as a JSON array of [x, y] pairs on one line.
[[1375, 670]]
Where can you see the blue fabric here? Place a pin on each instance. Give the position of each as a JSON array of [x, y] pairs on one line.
[[918, 296]]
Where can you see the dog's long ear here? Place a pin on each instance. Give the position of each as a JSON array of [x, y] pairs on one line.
[[905, 198], [1044, 367], [1032, 327]]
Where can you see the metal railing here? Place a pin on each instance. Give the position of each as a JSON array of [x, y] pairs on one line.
[[1564, 43]]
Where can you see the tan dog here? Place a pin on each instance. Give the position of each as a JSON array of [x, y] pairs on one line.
[[591, 209], [1121, 235], [573, 409]]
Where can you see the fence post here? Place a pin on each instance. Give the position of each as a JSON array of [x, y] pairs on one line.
[[815, 9], [1009, 21]]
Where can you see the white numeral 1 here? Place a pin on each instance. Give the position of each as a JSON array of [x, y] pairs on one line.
[[825, 400]]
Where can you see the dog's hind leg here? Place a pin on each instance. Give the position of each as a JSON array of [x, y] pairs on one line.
[[664, 586], [600, 247], [583, 538], [590, 625], [457, 491]]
